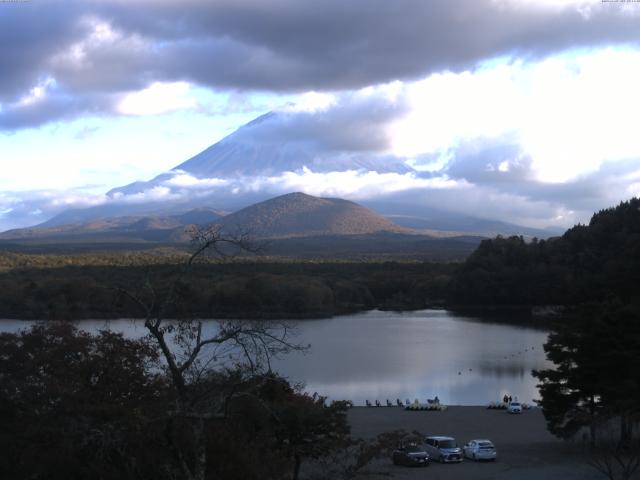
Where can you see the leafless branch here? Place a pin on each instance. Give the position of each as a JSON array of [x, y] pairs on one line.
[[183, 342], [614, 461], [138, 301]]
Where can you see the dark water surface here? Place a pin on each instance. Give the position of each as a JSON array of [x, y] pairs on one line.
[[380, 355]]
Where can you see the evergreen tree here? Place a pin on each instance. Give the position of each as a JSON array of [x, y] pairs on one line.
[[596, 351]]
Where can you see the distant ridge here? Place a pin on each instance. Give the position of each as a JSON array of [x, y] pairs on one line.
[[150, 227], [299, 215], [291, 215], [295, 225]]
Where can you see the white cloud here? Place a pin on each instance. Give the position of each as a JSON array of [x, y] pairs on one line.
[[581, 113], [355, 184], [158, 98], [72, 199], [21, 209], [182, 179], [634, 189], [570, 113], [352, 184], [446, 108], [153, 194], [547, 4], [311, 102]]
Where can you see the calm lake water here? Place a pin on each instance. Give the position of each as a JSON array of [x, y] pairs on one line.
[[380, 355]]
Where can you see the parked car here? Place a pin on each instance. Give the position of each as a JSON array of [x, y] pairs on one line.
[[480, 450], [443, 449], [514, 407], [411, 456]]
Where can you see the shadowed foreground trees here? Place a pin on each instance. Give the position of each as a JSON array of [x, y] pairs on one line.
[[76, 406], [73, 405], [188, 401], [596, 353], [595, 385]]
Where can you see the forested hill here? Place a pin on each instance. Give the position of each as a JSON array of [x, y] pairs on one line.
[[591, 262]]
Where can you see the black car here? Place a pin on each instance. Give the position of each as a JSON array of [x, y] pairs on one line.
[[411, 456]]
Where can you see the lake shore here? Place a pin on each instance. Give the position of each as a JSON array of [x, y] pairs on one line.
[[526, 450]]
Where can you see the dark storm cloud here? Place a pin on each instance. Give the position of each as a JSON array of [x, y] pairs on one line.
[[30, 34], [51, 107], [299, 45], [279, 45], [358, 125]]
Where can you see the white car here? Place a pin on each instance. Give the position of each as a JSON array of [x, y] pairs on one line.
[[514, 407], [480, 450]]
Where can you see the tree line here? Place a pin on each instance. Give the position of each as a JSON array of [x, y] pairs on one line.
[[597, 261], [232, 289]]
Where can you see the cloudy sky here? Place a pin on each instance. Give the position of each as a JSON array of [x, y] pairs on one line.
[[521, 110]]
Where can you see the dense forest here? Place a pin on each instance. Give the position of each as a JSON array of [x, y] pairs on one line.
[[593, 262], [90, 286]]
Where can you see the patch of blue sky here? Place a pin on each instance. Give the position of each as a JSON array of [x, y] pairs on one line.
[[95, 153]]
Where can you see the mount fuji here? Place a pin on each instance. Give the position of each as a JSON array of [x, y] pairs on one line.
[[257, 150], [264, 159]]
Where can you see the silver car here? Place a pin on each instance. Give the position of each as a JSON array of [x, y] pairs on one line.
[[443, 449], [480, 450]]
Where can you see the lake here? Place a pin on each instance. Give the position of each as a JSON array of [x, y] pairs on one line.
[[389, 355]]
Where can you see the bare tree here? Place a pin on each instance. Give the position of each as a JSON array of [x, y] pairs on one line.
[[617, 454], [192, 350], [616, 463]]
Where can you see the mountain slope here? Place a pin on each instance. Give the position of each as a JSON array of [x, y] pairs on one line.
[[291, 215], [298, 214], [297, 226], [465, 224], [160, 228], [255, 150]]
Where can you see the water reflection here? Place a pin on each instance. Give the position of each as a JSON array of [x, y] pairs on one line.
[[380, 355], [389, 355], [512, 370]]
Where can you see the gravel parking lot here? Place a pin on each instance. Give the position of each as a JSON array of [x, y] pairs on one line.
[[526, 451]]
